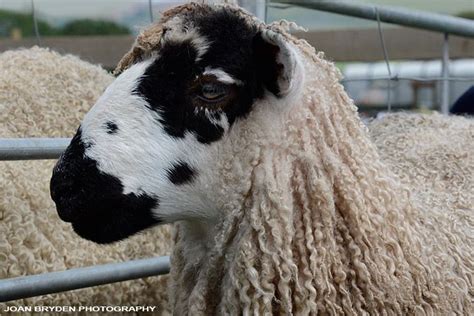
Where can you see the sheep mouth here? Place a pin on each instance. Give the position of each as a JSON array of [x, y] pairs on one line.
[[115, 220], [104, 230], [106, 218]]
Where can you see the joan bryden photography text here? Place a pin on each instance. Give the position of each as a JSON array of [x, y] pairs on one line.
[[69, 309]]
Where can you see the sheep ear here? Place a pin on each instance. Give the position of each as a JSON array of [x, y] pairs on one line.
[[278, 64]]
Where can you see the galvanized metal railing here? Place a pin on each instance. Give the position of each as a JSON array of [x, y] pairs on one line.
[[406, 17], [72, 279], [78, 278], [32, 148]]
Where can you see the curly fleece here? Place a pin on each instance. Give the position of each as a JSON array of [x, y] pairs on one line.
[[433, 154], [44, 94], [314, 221]]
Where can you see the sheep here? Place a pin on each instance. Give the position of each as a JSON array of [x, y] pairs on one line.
[[431, 154], [44, 94], [242, 136]]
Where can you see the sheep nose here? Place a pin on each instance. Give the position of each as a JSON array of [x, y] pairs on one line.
[[68, 202], [66, 210]]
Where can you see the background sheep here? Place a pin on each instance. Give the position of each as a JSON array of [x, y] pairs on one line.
[[433, 155], [44, 94], [295, 211]]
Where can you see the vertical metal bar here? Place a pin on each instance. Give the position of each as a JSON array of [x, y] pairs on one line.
[[35, 23], [260, 9], [257, 7], [445, 75], [266, 12], [150, 10], [387, 61]]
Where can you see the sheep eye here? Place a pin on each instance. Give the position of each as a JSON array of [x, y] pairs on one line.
[[213, 92]]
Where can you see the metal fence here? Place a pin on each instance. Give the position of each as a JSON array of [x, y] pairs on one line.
[[411, 18], [73, 279], [47, 148]]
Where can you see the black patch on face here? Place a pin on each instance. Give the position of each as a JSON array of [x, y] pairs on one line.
[[234, 47], [232, 51], [181, 173], [111, 127], [94, 201], [164, 87]]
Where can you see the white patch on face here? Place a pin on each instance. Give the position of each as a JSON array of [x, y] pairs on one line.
[[140, 153], [222, 76], [176, 34]]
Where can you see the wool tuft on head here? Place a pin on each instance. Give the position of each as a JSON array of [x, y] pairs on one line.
[[277, 211]]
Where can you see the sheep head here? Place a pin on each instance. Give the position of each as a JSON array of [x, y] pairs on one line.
[[153, 148]]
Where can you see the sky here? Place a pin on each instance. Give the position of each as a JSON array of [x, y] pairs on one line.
[[91, 8], [134, 13]]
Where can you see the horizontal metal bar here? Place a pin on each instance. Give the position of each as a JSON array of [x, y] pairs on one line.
[[32, 148], [397, 78], [78, 278], [406, 17]]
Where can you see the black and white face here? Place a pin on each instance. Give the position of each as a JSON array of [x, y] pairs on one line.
[[144, 153]]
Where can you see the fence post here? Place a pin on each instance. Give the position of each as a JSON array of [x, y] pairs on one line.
[[150, 10], [35, 23], [257, 7], [445, 76]]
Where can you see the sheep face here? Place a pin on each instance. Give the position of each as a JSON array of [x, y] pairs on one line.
[[146, 151]]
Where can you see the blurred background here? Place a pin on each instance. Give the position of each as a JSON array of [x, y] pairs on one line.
[[101, 31]]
